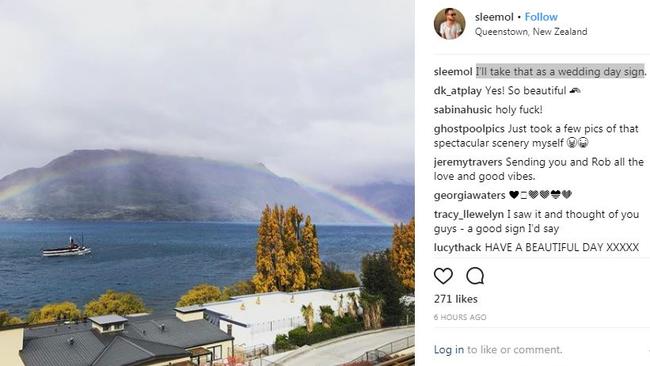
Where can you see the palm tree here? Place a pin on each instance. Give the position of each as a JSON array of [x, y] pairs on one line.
[[308, 314], [353, 307], [327, 319], [326, 316], [341, 310], [372, 307]]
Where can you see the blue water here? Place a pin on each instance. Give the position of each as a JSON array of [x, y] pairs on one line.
[[159, 261]]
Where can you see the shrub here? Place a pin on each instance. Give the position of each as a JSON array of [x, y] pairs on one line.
[[200, 294], [7, 319], [52, 312], [113, 302], [340, 327], [282, 343]]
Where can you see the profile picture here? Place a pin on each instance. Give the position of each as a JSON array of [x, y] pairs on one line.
[[449, 23]]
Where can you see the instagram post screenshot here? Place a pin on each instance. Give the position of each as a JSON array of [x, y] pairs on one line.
[[531, 171], [207, 183]]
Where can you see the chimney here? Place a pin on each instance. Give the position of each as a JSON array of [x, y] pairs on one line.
[[230, 329], [11, 344]]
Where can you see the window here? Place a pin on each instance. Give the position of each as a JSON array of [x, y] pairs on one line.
[[216, 353]]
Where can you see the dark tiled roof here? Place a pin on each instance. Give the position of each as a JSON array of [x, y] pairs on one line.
[[141, 339], [177, 332], [56, 350], [129, 351], [58, 329]]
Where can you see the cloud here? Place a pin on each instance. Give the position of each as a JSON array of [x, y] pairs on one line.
[[322, 90]]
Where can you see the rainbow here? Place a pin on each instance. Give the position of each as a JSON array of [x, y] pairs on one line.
[[122, 159], [29, 184], [347, 198]]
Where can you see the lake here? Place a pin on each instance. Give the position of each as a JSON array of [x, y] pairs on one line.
[[158, 261]]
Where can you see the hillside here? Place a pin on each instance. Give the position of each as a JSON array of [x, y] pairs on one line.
[[132, 185]]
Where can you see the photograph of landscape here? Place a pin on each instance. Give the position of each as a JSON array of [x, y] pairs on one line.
[[206, 183]]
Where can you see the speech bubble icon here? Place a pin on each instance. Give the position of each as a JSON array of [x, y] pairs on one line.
[[475, 276]]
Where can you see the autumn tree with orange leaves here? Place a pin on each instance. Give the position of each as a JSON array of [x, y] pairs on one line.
[[402, 253], [288, 258]]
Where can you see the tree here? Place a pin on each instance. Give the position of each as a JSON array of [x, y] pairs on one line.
[[341, 309], [379, 280], [271, 264], [237, 289], [200, 294], [54, 312], [294, 249], [308, 314], [372, 310], [7, 319], [326, 316], [287, 252], [353, 307], [402, 254], [312, 263], [113, 302], [205, 293], [334, 279]]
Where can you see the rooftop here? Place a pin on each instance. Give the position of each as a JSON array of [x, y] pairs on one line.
[[127, 351], [108, 319], [144, 339], [265, 307]]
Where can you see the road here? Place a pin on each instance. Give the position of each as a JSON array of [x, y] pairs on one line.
[[347, 349]]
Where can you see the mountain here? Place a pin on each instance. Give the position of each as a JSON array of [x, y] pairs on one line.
[[133, 185], [392, 199]]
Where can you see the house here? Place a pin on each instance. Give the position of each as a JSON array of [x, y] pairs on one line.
[[113, 340], [257, 319]]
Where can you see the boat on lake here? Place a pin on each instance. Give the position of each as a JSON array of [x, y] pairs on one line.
[[72, 249]]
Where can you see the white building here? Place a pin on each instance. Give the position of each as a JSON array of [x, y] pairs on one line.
[[256, 319]]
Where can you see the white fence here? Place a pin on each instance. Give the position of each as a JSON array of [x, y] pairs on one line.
[[287, 323]]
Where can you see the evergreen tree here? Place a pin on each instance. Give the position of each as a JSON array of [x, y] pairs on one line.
[[402, 254], [379, 280], [333, 278]]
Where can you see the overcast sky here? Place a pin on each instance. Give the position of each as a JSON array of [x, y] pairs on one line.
[[319, 90]]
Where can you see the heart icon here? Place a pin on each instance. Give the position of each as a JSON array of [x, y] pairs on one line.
[[555, 193], [543, 194], [532, 194], [567, 193], [443, 275], [514, 194]]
